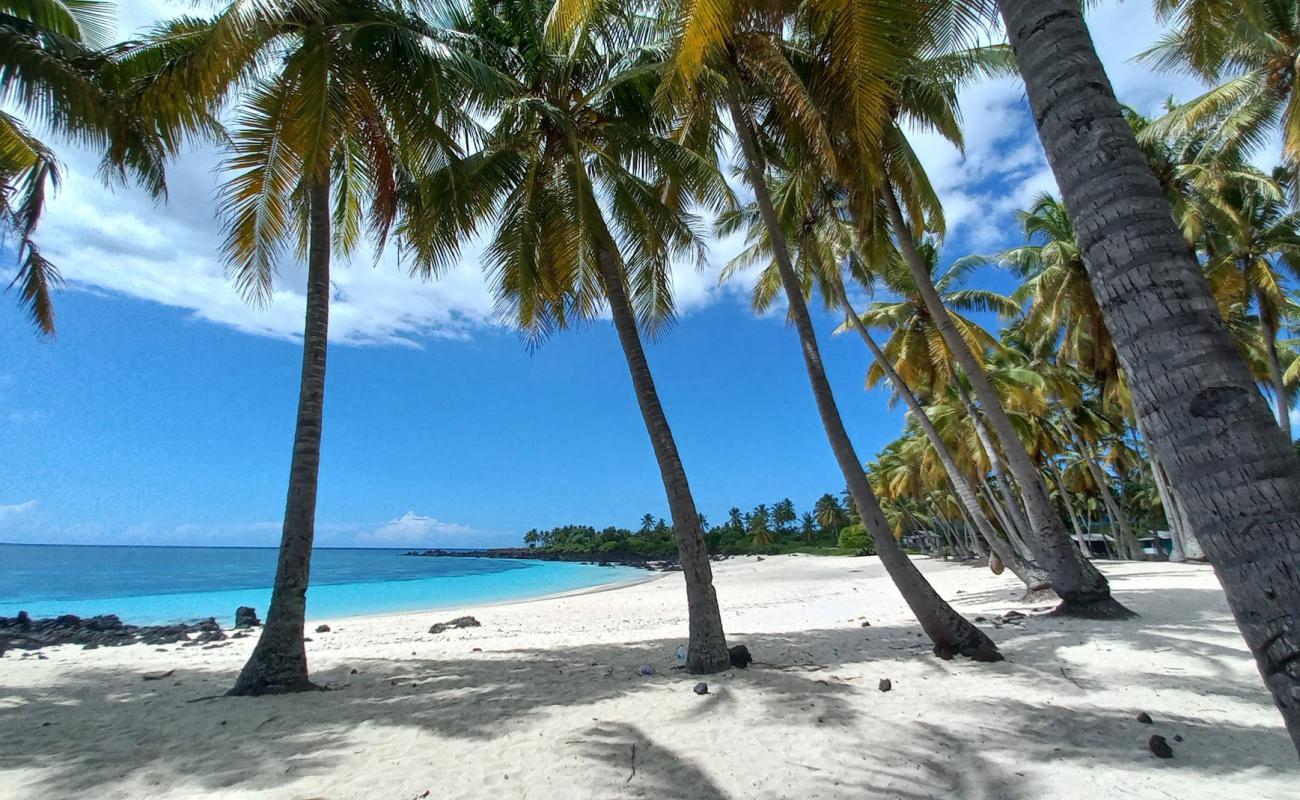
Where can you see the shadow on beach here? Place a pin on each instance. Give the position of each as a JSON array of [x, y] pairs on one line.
[[126, 729]]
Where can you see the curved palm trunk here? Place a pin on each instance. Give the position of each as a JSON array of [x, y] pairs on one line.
[[1013, 509], [706, 650], [1269, 321], [1069, 509], [1211, 429], [1033, 577], [1083, 590], [279, 661], [949, 632]]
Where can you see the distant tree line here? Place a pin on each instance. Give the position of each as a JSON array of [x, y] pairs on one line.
[[831, 525]]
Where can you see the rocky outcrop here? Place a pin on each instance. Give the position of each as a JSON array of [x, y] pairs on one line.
[[246, 617], [24, 633], [458, 622]]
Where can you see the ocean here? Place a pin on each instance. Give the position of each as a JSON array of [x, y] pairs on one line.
[[155, 585]]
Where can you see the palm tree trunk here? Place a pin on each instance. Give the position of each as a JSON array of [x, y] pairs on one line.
[[949, 632], [706, 649], [1209, 425], [1269, 321], [1084, 591], [1129, 544], [1172, 517], [1084, 548], [278, 664], [1033, 577], [1013, 507]]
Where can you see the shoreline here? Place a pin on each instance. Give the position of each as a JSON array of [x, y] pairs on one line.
[[83, 623]]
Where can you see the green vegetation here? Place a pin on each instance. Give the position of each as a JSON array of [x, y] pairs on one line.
[[754, 533]]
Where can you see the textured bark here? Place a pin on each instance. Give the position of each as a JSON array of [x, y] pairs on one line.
[[950, 633], [706, 649], [278, 664], [1238, 477], [1083, 590], [1033, 577]]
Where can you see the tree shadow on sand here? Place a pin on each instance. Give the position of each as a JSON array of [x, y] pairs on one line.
[[127, 729]]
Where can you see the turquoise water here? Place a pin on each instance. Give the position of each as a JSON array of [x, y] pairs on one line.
[[153, 585]]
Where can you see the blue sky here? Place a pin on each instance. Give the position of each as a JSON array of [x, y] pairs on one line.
[[163, 411]]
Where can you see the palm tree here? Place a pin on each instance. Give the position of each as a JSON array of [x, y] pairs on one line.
[[338, 102], [57, 70], [1251, 237], [758, 527], [830, 516], [587, 186], [1192, 392], [915, 348], [1247, 49], [1061, 306], [808, 526], [783, 514], [949, 632]]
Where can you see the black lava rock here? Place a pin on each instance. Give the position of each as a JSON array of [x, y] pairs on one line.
[[1144, 718], [701, 688], [740, 656], [1159, 747], [885, 684], [246, 617]]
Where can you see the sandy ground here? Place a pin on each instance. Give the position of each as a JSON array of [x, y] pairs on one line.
[[545, 701]]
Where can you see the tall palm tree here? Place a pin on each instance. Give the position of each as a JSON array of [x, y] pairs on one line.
[[1192, 392], [949, 631], [339, 102], [830, 515], [57, 70], [588, 190], [1061, 307], [915, 348]]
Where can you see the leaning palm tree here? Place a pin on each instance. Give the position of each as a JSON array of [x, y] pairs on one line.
[[1193, 394], [586, 196], [339, 101], [948, 630]]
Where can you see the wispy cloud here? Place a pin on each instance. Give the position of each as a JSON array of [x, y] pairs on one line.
[[16, 511]]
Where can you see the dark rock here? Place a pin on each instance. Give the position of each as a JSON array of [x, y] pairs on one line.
[[157, 676], [91, 646], [322, 629], [866, 624], [646, 670], [352, 671], [308, 639], [22, 620], [885, 684], [458, 622], [246, 617], [1178, 737], [701, 688], [740, 656], [1144, 718], [1159, 747], [1012, 615]]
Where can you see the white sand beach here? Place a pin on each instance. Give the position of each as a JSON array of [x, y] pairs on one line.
[[545, 701]]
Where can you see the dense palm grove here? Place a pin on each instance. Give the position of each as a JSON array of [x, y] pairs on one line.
[[1139, 379]]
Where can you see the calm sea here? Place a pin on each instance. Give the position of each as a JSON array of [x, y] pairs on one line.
[[150, 585]]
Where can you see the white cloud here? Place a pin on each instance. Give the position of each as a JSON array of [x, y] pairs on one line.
[[119, 240], [415, 529], [14, 511]]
